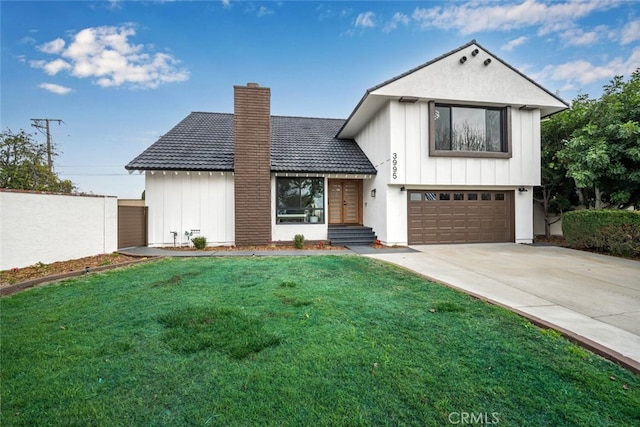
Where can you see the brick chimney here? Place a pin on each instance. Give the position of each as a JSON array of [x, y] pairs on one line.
[[252, 164]]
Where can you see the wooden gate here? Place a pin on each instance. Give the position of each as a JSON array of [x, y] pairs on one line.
[[132, 226]]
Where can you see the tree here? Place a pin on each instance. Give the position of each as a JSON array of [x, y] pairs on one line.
[[23, 165], [603, 155], [556, 193]]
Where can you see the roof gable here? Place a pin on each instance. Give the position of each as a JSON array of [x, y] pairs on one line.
[[481, 78]]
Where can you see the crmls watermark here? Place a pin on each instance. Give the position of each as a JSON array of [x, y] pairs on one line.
[[474, 418]]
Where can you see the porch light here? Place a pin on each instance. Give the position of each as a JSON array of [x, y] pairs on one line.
[[403, 188], [522, 190], [373, 193]]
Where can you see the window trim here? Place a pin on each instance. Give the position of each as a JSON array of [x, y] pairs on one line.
[[434, 152]]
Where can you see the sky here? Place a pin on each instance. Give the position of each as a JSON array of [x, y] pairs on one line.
[[120, 74]]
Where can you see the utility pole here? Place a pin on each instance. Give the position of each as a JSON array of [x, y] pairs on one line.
[[43, 126]]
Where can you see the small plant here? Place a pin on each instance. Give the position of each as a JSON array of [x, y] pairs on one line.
[[199, 242], [321, 244], [298, 241]]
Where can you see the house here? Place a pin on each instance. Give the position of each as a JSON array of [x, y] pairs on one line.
[[448, 152]]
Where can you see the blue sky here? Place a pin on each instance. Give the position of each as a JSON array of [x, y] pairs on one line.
[[122, 73]]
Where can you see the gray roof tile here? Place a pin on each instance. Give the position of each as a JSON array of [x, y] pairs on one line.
[[204, 142]]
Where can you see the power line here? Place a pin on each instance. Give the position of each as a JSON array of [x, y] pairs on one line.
[[43, 126]]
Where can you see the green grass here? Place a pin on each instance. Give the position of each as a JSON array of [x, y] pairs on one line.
[[334, 340]]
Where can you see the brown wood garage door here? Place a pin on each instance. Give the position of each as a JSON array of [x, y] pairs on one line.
[[446, 216]]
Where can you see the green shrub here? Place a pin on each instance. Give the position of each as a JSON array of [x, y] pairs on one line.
[[611, 231], [298, 241], [199, 242]]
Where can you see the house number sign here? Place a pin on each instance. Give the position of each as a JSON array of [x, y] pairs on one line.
[[394, 163]]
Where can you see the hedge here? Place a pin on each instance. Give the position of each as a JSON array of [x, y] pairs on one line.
[[616, 232]]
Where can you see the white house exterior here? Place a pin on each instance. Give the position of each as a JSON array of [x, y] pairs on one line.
[[448, 152]]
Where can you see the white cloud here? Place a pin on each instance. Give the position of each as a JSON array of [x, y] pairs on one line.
[[54, 88], [398, 18], [106, 55], [226, 3], [585, 72], [366, 20], [54, 46], [473, 17], [514, 43], [54, 67], [263, 11], [630, 32], [579, 37]]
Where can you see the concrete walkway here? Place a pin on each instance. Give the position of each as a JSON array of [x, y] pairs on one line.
[[594, 299]]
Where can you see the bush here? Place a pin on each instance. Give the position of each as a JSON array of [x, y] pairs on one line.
[[199, 242], [298, 241], [611, 231]]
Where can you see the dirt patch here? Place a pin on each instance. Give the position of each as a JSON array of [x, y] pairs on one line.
[[36, 271], [551, 240]]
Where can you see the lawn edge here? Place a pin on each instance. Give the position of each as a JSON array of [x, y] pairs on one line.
[[27, 284], [590, 345]]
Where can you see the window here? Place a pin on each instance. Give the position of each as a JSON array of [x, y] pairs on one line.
[[461, 131], [300, 200], [415, 197]]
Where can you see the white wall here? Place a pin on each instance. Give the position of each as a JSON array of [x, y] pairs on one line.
[[375, 139], [524, 215], [41, 227], [186, 201], [410, 144], [473, 82], [397, 142]]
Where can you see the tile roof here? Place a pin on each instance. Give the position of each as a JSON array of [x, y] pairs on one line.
[[204, 142]]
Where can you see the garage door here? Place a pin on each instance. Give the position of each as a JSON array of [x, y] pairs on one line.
[[438, 216]]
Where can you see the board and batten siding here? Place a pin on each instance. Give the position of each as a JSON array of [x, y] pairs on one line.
[[397, 142], [181, 201], [375, 139], [410, 143]]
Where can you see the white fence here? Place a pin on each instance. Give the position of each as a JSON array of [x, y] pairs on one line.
[[49, 227]]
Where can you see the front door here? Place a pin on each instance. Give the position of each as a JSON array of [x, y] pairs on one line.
[[345, 199]]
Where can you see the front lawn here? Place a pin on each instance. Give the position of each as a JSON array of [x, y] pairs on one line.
[[319, 340]]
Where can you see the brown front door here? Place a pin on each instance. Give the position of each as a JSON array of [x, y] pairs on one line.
[[345, 199]]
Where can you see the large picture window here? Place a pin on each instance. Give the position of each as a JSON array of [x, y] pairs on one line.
[[300, 200], [469, 131]]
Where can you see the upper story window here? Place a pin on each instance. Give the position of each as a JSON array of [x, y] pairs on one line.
[[464, 131]]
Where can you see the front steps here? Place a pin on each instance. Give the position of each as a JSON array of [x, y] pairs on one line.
[[351, 235]]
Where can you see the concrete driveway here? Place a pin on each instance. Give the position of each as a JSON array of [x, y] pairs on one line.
[[591, 298]]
